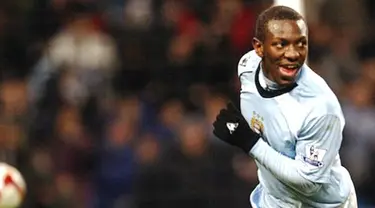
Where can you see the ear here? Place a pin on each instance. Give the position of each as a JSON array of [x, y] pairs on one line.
[[258, 47]]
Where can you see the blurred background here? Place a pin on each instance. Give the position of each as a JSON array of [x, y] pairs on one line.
[[109, 103]]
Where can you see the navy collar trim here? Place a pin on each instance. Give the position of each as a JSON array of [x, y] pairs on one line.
[[270, 93]]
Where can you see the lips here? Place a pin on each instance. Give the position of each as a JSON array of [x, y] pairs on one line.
[[289, 70]]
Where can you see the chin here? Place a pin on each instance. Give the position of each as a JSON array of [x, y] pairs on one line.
[[286, 81]]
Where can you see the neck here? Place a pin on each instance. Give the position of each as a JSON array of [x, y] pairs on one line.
[[267, 81]]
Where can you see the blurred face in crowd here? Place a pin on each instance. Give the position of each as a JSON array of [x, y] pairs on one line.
[[283, 50], [193, 139], [368, 69], [361, 92], [148, 149], [172, 113]]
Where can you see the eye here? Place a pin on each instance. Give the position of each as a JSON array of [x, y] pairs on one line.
[[301, 44], [280, 44]]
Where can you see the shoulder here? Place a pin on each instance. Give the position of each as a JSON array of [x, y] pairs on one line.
[[248, 62], [316, 95], [324, 106], [312, 88], [311, 85]]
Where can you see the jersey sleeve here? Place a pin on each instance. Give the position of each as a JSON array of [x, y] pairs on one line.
[[248, 63], [317, 147]]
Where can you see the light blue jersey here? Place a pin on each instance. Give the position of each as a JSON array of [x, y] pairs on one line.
[[298, 159]]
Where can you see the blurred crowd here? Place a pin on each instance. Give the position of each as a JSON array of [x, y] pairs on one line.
[[109, 103]]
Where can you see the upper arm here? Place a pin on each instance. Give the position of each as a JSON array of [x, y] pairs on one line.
[[318, 146]]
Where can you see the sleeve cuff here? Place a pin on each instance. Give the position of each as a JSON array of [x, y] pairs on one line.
[[258, 148]]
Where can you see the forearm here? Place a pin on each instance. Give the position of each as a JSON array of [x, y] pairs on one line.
[[284, 168]]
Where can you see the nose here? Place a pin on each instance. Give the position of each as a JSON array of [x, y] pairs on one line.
[[292, 54]]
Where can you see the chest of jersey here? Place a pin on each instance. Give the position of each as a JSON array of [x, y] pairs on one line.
[[276, 119]]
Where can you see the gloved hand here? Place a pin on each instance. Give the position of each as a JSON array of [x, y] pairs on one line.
[[231, 127]]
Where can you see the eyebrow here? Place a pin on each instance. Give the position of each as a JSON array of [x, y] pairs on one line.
[[294, 40]]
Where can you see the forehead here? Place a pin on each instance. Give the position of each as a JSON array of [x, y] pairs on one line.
[[288, 29]]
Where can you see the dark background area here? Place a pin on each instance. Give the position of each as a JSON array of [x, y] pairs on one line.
[[110, 103]]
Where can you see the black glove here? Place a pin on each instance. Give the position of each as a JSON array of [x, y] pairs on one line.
[[231, 127]]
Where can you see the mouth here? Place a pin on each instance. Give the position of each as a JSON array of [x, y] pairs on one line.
[[289, 70]]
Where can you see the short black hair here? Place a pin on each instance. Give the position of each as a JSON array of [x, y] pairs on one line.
[[274, 13]]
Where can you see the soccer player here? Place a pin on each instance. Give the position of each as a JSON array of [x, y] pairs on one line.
[[289, 120]]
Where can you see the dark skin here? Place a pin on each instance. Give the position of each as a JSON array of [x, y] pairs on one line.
[[283, 51]]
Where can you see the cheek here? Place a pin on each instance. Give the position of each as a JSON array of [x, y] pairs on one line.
[[304, 51], [273, 54], [271, 61], [271, 67]]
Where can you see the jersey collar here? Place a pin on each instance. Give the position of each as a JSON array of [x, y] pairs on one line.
[[270, 93]]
